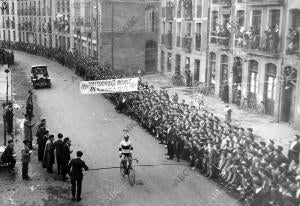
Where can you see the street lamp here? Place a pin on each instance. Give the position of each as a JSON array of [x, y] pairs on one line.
[[6, 71], [5, 105]]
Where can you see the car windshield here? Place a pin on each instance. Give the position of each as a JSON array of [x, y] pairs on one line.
[[39, 70]]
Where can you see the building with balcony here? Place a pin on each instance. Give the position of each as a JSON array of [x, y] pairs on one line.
[[9, 22], [290, 72], [85, 26], [62, 28], [38, 21], [35, 21], [250, 58], [183, 34]]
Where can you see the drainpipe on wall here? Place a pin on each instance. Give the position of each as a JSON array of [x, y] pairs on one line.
[[278, 116], [207, 42]]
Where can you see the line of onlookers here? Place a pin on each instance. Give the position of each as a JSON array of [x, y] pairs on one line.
[[259, 171]]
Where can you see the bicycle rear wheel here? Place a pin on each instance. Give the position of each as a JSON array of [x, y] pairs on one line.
[[122, 169], [131, 176]]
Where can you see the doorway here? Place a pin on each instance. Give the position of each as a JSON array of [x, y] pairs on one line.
[[224, 88], [177, 62], [252, 82], [237, 80], [197, 70], [289, 94], [269, 91]]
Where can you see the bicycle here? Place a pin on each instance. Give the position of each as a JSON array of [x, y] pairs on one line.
[[127, 171], [244, 105], [260, 109], [252, 104]]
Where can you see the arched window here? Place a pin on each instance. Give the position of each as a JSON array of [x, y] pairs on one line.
[[212, 68], [150, 19], [253, 76]]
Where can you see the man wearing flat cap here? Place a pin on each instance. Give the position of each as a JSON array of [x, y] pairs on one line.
[[25, 160], [279, 157], [75, 169], [294, 150], [29, 105], [28, 130], [66, 157], [250, 133], [8, 115]]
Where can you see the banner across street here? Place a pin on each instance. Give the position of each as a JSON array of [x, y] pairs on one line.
[[109, 86]]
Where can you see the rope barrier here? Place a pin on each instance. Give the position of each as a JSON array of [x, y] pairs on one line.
[[140, 165]]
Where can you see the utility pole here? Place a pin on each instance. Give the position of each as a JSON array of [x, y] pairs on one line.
[[207, 44], [112, 34], [97, 32], [4, 107]]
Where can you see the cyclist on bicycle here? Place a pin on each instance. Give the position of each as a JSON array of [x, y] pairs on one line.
[[125, 151]]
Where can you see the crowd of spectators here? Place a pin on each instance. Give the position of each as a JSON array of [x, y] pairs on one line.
[[259, 171]]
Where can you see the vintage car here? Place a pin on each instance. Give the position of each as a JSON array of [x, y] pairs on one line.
[[40, 76]]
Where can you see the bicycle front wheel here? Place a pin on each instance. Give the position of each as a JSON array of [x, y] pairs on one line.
[[122, 169], [131, 176]]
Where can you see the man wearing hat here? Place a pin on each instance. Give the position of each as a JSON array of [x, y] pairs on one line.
[[25, 160], [250, 133], [8, 116], [65, 157], [227, 113], [42, 123], [28, 130], [294, 150], [8, 156], [280, 158], [29, 105], [49, 158], [75, 170]]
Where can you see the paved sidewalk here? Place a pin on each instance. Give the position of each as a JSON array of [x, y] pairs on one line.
[[3, 83], [264, 126], [3, 86]]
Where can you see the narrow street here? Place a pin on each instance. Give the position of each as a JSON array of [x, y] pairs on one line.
[[96, 129]]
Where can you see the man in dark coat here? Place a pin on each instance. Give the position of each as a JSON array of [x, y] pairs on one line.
[[42, 123], [75, 170], [170, 141], [49, 158], [28, 130], [42, 137], [29, 105], [25, 160], [8, 156], [9, 117], [65, 157], [58, 145]]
